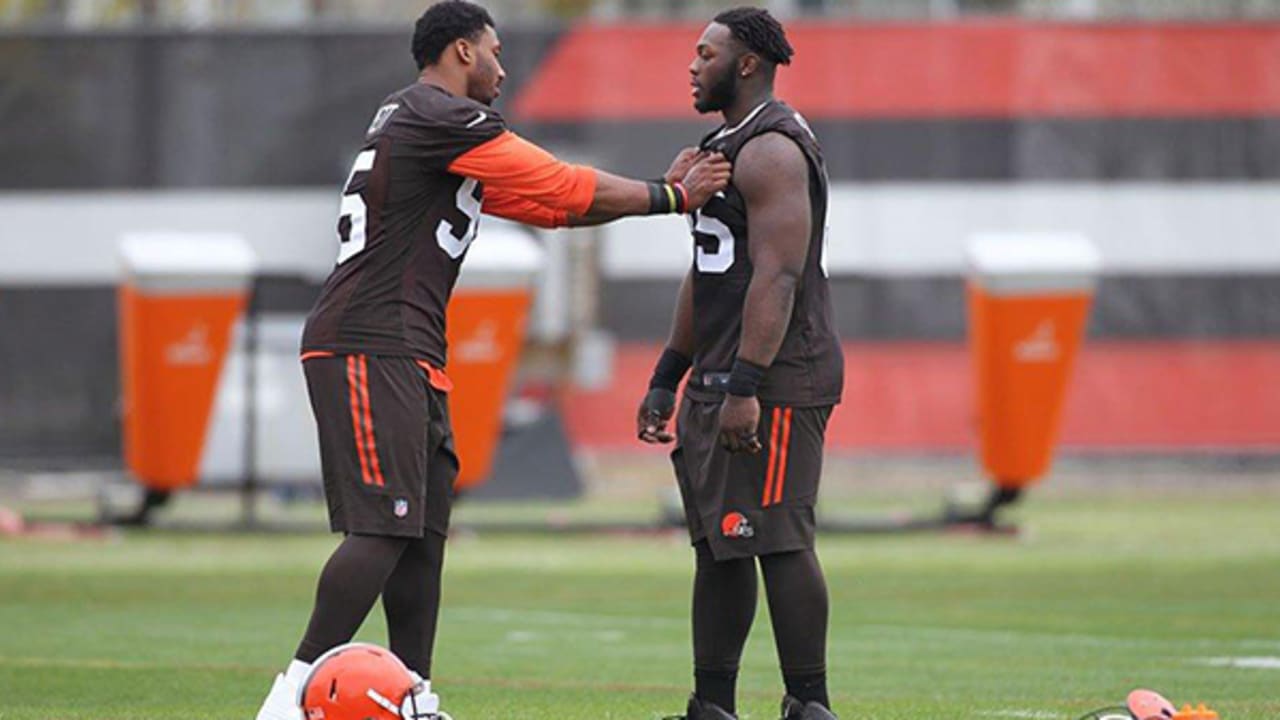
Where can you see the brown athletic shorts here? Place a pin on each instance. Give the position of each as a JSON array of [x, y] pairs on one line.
[[386, 444], [743, 504]]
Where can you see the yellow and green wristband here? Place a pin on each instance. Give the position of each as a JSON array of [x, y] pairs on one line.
[[665, 197]]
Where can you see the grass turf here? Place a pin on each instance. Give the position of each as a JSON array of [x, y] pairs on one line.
[[1109, 590]]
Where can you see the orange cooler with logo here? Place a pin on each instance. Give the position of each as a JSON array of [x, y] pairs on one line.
[[1029, 297], [179, 303], [486, 332]]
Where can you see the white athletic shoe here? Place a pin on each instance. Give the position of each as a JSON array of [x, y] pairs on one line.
[[282, 701], [423, 704]]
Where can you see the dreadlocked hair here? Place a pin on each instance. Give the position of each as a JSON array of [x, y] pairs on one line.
[[760, 32]]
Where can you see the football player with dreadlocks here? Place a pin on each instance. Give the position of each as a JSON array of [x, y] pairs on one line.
[[753, 320]]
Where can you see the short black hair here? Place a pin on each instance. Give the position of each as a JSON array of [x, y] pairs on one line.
[[444, 23], [759, 32]]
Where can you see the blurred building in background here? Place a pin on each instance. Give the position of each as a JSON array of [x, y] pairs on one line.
[[294, 13], [1159, 141]]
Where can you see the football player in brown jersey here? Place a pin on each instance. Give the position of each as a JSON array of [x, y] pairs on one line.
[[754, 320], [435, 156]]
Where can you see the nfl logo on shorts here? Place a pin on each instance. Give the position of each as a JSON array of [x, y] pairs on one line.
[[401, 507], [735, 525]]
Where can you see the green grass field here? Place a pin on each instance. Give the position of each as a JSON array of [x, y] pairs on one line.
[[1107, 590]]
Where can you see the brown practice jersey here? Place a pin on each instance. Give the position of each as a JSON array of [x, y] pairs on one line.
[[405, 224], [809, 367]]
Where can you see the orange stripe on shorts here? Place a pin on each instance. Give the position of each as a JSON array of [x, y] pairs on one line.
[[356, 426], [773, 457], [368, 423], [782, 463]]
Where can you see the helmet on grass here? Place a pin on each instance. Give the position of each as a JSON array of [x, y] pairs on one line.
[[359, 681]]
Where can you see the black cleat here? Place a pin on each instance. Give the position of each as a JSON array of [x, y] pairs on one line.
[[793, 709], [699, 710]]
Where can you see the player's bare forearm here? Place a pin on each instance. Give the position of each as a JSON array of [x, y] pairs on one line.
[[621, 196], [773, 176], [681, 337], [659, 404], [594, 218], [681, 165], [618, 196]]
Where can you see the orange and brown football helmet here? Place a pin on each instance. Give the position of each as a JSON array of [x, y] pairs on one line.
[[359, 681]]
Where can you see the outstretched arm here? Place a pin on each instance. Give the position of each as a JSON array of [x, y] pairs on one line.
[[677, 173], [513, 164], [506, 204]]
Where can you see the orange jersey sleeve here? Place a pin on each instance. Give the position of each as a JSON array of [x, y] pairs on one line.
[[511, 164], [505, 204]]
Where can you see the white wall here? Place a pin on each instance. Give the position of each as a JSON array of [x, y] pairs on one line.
[[72, 238], [876, 229], [921, 228]]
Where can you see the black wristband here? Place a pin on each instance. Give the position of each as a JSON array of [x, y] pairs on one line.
[[663, 198], [670, 370], [745, 378]]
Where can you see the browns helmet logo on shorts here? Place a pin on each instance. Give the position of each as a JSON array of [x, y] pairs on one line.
[[736, 525]]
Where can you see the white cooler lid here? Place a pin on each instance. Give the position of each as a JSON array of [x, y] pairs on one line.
[[1027, 263], [179, 262], [503, 255]]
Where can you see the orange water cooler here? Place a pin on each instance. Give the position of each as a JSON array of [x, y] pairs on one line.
[[486, 333], [1029, 297], [179, 302]]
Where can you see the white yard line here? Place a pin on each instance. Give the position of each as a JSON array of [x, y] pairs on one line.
[[1248, 663], [560, 619], [1080, 639]]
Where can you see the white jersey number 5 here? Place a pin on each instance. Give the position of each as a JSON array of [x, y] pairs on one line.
[[469, 206], [352, 211], [352, 214], [707, 231]]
